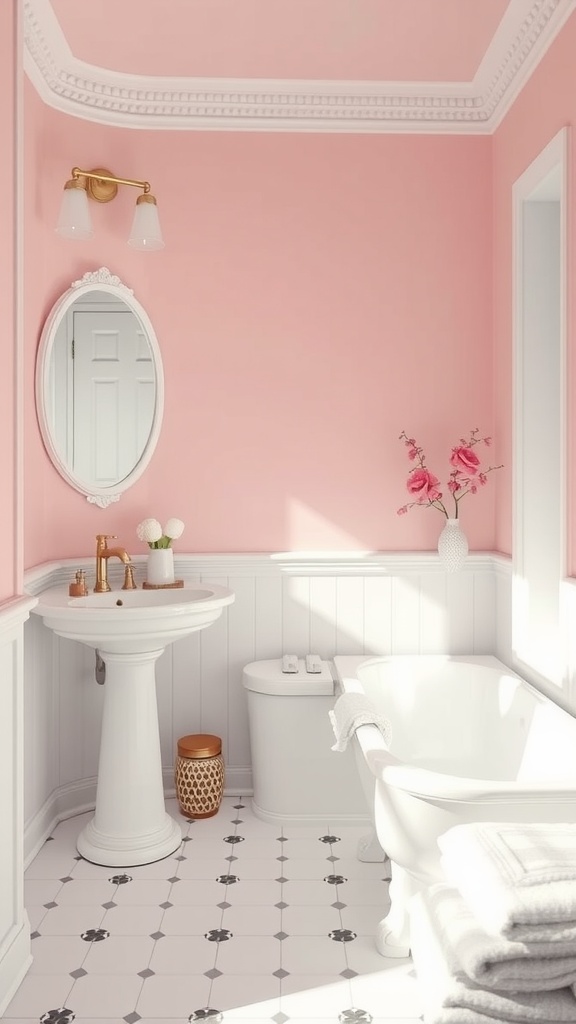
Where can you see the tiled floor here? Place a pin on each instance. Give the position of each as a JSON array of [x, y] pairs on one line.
[[247, 920]]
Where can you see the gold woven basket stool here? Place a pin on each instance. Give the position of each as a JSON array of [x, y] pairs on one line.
[[199, 774]]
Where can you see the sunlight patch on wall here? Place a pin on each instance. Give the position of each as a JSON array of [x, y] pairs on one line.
[[308, 530]]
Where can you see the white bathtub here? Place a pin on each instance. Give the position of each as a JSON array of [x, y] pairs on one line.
[[471, 741]]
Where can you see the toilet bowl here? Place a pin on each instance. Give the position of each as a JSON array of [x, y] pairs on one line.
[[297, 779]]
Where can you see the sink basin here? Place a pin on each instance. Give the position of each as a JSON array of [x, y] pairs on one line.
[[132, 621], [130, 629]]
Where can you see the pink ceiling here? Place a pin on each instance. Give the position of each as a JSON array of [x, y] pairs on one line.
[[363, 40]]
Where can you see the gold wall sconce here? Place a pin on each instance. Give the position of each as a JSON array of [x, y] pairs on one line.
[[74, 220]]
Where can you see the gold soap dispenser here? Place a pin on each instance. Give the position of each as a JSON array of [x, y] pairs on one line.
[[78, 588]]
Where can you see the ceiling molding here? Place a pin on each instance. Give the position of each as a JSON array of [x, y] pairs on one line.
[[108, 97]]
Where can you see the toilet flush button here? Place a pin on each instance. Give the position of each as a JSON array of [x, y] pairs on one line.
[[290, 663], [313, 664]]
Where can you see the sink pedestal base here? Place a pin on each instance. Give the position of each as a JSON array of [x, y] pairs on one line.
[[130, 824]]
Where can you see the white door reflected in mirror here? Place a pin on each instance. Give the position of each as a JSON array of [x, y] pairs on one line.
[[99, 387]]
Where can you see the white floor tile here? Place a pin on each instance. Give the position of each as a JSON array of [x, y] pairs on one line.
[[362, 920], [173, 995], [193, 892], [219, 825], [40, 891], [307, 849], [36, 915], [58, 954], [68, 830], [166, 868], [392, 991], [317, 997], [115, 995], [71, 920], [142, 892], [252, 997], [249, 954], [257, 868], [253, 892], [311, 954], [313, 870], [51, 863], [187, 920], [85, 869], [307, 893], [256, 847], [132, 920], [119, 954], [206, 868], [251, 920], [85, 892], [181, 954], [248, 824], [364, 958], [306, 831], [37, 994], [347, 848], [369, 893], [304, 921], [215, 850], [354, 868]]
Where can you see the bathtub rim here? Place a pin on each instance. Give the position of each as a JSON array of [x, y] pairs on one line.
[[429, 784]]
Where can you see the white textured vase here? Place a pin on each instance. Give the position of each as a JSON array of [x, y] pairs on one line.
[[160, 571], [452, 546]]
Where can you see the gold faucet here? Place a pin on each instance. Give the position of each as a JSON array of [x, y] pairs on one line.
[[103, 553]]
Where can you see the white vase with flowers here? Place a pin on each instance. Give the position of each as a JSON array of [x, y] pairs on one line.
[[160, 566], [466, 477]]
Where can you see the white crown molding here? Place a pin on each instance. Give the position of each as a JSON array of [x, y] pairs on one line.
[[98, 94]]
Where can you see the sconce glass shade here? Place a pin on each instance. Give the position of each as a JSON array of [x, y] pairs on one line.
[[146, 233], [74, 220]]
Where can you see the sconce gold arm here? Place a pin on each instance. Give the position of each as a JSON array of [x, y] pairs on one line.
[[102, 185]]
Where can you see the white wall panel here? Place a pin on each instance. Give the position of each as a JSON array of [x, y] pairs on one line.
[[268, 617], [350, 615], [377, 614], [295, 615], [405, 611], [323, 623], [459, 612], [15, 951]]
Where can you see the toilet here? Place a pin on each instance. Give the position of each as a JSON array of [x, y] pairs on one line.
[[297, 778]]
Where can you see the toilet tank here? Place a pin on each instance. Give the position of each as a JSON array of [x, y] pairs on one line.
[[297, 778]]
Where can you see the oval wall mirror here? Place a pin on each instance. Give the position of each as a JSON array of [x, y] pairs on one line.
[[99, 387]]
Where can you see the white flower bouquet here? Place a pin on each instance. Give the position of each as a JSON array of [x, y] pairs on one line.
[[152, 533]]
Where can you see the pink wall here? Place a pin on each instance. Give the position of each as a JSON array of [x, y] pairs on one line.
[[10, 583], [317, 295], [546, 104]]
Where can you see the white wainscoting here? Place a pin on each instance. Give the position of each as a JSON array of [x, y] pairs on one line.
[[15, 955], [325, 604]]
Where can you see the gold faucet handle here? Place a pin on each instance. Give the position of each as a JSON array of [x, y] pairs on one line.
[[101, 538], [129, 583]]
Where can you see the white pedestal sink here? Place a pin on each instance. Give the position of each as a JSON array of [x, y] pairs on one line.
[[131, 628]]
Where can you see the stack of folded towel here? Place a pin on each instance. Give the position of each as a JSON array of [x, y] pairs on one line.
[[497, 940]]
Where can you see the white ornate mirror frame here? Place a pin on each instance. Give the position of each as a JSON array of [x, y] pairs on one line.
[[102, 281]]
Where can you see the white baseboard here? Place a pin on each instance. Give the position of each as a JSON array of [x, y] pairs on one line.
[[79, 797], [15, 960], [64, 802]]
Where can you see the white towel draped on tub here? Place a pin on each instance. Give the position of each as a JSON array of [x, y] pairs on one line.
[[449, 995], [518, 879], [352, 710]]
